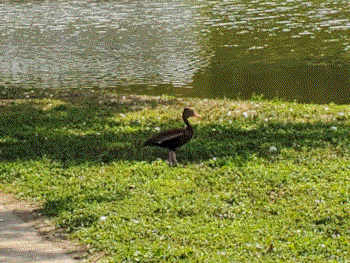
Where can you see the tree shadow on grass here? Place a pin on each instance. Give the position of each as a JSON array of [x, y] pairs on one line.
[[81, 127], [79, 130], [269, 139], [77, 208]]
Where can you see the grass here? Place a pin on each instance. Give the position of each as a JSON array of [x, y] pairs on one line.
[[262, 181]]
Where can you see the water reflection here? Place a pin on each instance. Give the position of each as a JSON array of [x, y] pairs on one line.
[[300, 81], [97, 44], [291, 49]]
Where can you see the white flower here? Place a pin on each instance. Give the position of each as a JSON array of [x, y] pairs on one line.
[[103, 218], [273, 149], [157, 129], [229, 113], [334, 128], [245, 114]]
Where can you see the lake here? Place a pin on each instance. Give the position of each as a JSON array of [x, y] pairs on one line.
[[290, 49]]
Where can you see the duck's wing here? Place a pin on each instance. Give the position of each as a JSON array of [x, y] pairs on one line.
[[165, 136]]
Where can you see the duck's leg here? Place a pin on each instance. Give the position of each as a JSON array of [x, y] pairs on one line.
[[173, 156], [170, 161]]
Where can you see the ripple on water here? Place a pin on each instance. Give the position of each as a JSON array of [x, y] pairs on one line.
[[116, 43]]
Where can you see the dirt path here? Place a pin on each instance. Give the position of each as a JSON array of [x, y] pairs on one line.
[[28, 237]]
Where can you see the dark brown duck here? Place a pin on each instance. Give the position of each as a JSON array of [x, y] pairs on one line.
[[174, 138]]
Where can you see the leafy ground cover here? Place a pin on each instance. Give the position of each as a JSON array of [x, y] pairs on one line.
[[262, 181]]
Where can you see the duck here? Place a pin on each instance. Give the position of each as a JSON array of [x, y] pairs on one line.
[[174, 138]]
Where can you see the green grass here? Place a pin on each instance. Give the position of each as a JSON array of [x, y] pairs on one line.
[[260, 182]]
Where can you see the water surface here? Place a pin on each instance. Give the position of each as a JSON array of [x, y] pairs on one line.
[[291, 49]]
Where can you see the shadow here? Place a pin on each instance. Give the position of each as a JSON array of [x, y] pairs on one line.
[[267, 141], [81, 215], [55, 207], [52, 208], [84, 130], [227, 141], [79, 128]]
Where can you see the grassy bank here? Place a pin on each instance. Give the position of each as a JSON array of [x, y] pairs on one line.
[[260, 182]]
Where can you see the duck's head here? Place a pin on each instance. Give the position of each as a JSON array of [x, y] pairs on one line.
[[189, 112]]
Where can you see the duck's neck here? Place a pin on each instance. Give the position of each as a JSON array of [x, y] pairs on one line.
[[187, 123]]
